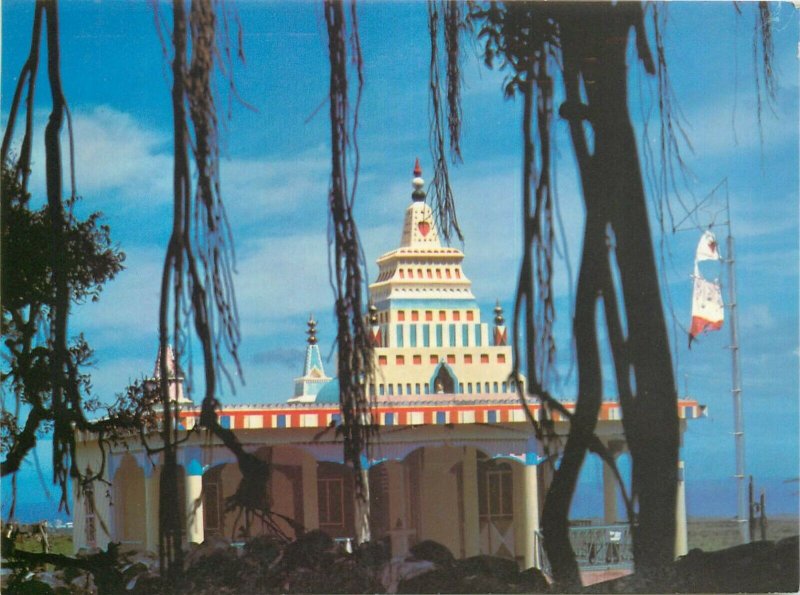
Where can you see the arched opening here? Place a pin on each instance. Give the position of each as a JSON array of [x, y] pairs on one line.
[[444, 382], [129, 503]]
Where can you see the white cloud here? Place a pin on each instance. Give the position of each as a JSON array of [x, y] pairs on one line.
[[128, 306]]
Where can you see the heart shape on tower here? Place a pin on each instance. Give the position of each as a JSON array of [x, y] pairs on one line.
[[424, 227]]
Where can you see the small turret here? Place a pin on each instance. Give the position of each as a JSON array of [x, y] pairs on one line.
[[174, 376], [308, 385], [374, 328], [500, 332]]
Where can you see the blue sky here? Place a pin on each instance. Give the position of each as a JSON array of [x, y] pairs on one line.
[[275, 171]]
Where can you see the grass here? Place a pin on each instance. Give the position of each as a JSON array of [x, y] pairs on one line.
[[60, 543], [710, 534]]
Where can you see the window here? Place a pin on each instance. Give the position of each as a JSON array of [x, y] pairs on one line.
[[465, 335], [399, 333], [416, 389], [400, 389], [438, 273], [428, 315], [461, 387], [381, 389], [469, 388], [402, 274], [505, 387], [456, 315], [484, 358], [477, 387], [419, 273], [441, 417], [429, 273], [410, 273], [495, 490], [381, 360], [452, 333], [281, 421], [408, 388], [486, 387], [478, 336], [451, 359], [434, 359], [491, 417], [330, 497], [412, 332], [391, 389], [468, 358], [426, 336], [372, 389], [388, 419], [90, 526], [501, 358], [400, 360], [414, 315], [212, 504], [470, 315], [427, 389], [496, 387], [447, 274], [439, 334], [442, 315], [401, 315], [417, 359], [458, 273]]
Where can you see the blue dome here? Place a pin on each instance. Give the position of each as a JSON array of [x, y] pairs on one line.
[[329, 393]]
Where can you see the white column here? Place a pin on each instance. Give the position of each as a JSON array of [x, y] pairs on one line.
[[151, 510], [361, 510], [472, 536], [194, 507], [681, 529], [530, 523]]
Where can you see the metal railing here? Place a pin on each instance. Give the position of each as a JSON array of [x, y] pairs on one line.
[[597, 547]]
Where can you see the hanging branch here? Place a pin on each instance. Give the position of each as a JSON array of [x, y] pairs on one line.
[[444, 206], [347, 262]]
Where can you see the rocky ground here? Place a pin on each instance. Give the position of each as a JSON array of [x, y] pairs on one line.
[[315, 564]]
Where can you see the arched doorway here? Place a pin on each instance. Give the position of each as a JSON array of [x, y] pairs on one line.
[[129, 503]]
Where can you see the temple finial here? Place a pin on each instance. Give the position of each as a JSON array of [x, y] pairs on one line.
[[312, 330], [418, 183]]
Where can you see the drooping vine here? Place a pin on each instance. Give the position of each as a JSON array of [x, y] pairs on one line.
[[346, 259]]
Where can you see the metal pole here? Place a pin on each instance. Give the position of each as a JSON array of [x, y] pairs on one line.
[[742, 517]]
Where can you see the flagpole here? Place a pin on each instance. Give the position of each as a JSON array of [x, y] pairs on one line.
[[742, 516]]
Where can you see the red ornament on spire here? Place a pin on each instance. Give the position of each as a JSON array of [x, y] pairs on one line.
[[417, 169]]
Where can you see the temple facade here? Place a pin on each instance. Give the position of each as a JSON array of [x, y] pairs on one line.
[[455, 459]]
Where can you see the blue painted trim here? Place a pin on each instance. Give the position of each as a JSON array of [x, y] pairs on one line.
[[423, 304], [194, 468]]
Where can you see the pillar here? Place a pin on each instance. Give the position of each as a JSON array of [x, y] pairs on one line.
[[530, 522], [310, 495], [681, 529], [361, 509], [194, 502], [472, 536]]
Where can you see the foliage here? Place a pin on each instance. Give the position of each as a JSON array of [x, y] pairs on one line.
[[90, 259]]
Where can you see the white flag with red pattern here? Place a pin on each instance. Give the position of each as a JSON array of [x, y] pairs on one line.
[[708, 311]]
